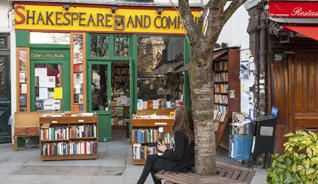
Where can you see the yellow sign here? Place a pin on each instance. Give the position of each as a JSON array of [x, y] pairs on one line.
[[54, 17], [58, 93]]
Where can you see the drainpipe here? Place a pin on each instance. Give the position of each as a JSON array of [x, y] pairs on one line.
[[262, 64]]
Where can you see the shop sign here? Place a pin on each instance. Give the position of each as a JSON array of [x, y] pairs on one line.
[[293, 9], [47, 56], [98, 19]]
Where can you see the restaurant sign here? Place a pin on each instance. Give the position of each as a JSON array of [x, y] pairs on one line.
[[293, 9], [55, 17]]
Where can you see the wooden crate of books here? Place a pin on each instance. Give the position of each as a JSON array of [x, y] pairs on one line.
[[145, 135], [68, 137]]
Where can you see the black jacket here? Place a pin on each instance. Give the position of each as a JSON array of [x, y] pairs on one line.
[[180, 158]]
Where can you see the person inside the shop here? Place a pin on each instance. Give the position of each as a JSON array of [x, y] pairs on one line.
[[180, 155]]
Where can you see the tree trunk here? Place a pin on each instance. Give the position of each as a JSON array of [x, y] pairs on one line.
[[202, 107]]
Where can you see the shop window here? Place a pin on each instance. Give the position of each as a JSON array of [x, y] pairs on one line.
[[48, 87], [99, 87], [159, 76], [49, 38], [99, 46], [121, 46]]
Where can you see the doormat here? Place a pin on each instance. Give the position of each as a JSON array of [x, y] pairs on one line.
[[71, 170]]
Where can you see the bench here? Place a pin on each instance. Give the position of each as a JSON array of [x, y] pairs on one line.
[[26, 124], [228, 174]]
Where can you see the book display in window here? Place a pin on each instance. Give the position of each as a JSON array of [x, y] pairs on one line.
[[68, 136], [226, 70], [78, 69], [23, 82], [145, 131]]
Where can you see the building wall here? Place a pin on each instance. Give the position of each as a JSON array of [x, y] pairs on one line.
[[6, 27]]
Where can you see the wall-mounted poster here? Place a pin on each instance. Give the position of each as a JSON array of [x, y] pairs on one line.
[[24, 89], [22, 77]]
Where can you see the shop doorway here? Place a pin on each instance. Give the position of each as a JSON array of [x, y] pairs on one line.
[[120, 102], [108, 96], [5, 99]]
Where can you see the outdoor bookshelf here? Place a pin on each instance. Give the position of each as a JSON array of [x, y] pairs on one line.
[[144, 133], [226, 70], [68, 137]]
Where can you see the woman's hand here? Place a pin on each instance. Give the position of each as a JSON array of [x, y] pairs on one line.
[[161, 147]]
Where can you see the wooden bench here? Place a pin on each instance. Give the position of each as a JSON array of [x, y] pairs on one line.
[[228, 174], [26, 124]]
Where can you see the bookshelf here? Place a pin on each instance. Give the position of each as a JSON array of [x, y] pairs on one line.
[[68, 137], [144, 133], [226, 71]]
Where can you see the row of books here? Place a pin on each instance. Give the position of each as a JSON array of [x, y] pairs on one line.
[[149, 136], [83, 147], [221, 99], [140, 152], [73, 148], [219, 116], [221, 77], [157, 104], [221, 108], [55, 133], [221, 88], [220, 66], [81, 131]]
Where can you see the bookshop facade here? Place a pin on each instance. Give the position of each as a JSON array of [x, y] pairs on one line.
[[107, 59]]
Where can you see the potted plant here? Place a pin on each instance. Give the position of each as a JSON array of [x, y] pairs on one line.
[[299, 162]]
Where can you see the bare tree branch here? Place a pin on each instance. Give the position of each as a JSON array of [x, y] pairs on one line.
[[231, 9], [188, 21], [214, 21]]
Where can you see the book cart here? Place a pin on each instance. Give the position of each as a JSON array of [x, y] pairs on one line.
[[145, 132], [68, 137]]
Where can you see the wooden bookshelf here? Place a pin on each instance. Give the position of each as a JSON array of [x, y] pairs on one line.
[[138, 124], [226, 71], [82, 130]]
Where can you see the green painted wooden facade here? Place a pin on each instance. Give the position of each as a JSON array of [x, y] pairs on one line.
[[104, 117]]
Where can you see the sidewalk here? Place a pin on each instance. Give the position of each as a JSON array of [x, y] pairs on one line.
[[112, 166]]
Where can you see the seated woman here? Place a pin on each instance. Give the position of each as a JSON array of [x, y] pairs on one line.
[[180, 157]]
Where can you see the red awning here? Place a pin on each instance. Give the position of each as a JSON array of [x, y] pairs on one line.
[[308, 31]]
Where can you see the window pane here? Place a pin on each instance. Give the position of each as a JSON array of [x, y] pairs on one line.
[[121, 46], [4, 77], [159, 58], [99, 46], [99, 87], [49, 38], [48, 87]]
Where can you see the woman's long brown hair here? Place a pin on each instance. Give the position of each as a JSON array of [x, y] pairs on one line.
[[184, 123]]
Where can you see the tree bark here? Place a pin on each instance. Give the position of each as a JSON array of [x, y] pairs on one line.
[[202, 107], [202, 45]]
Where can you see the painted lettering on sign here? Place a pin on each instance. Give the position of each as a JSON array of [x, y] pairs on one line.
[[47, 55], [36, 17], [293, 9], [298, 11]]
